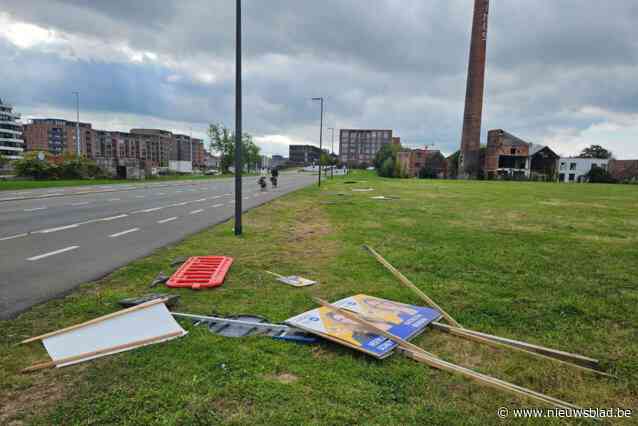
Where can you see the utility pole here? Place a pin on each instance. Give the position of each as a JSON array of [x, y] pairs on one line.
[[320, 136], [190, 140], [78, 148], [238, 130], [332, 169]]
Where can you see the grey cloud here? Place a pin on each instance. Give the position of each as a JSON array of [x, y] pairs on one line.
[[381, 63]]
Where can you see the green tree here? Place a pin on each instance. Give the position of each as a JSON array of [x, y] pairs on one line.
[[595, 151], [222, 140], [599, 175], [385, 161]]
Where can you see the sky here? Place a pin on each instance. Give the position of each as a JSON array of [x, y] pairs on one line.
[[561, 73]]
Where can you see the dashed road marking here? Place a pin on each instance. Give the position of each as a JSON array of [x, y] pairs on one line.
[[13, 236], [59, 228], [51, 253], [167, 220], [128, 231], [196, 211], [35, 209]]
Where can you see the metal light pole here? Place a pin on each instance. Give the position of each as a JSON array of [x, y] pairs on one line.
[[190, 140], [238, 130], [78, 149], [332, 166], [320, 136]]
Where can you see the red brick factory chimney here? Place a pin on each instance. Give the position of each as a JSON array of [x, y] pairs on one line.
[[471, 139]]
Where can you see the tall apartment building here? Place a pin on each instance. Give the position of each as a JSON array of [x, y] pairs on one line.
[[11, 141], [359, 146], [58, 137]]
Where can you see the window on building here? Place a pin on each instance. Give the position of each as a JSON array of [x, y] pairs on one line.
[[513, 151], [561, 177], [572, 166], [563, 165], [572, 177]]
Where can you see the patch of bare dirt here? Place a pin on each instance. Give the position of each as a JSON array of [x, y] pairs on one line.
[[285, 378], [29, 401]]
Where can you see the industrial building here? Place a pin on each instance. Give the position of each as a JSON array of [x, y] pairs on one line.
[[411, 162], [359, 146], [304, 154], [509, 157], [11, 141]]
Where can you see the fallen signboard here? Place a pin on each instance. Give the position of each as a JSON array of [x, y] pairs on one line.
[[119, 331], [398, 319]]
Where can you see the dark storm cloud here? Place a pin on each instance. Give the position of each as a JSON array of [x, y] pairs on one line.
[[399, 64]]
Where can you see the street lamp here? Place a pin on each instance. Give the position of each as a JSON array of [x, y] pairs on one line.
[[320, 136], [238, 130], [78, 149], [332, 173]]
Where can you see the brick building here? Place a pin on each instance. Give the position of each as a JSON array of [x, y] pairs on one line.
[[199, 153], [509, 157], [359, 146], [412, 161], [624, 170], [58, 137], [159, 144]]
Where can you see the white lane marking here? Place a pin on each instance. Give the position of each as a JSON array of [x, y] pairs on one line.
[[167, 220], [201, 200], [35, 209], [114, 199], [178, 191], [196, 211], [232, 202], [245, 198], [83, 203], [217, 205], [154, 209], [161, 193], [139, 196], [59, 228], [227, 195], [108, 219], [13, 236], [51, 253], [216, 197], [128, 231]]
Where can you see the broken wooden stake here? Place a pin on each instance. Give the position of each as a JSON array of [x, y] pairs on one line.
[[421, 355], [466, 334], [411, 286], [576, 360]]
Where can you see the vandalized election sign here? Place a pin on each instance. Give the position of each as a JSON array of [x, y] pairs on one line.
[[399, 319]]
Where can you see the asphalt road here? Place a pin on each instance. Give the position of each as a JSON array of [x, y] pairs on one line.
[[52, 240]]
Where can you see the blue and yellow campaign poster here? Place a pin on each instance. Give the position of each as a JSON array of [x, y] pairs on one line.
[[399, 319]]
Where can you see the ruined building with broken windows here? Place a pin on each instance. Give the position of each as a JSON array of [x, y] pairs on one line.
[[509, 157]]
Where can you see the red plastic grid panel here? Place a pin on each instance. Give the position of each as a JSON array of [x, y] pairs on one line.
[[201, 272]]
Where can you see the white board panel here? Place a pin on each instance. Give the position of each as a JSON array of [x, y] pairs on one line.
[[137, 325]]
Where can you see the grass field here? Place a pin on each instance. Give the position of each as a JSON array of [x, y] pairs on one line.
[[12, 185], [551, 264]]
